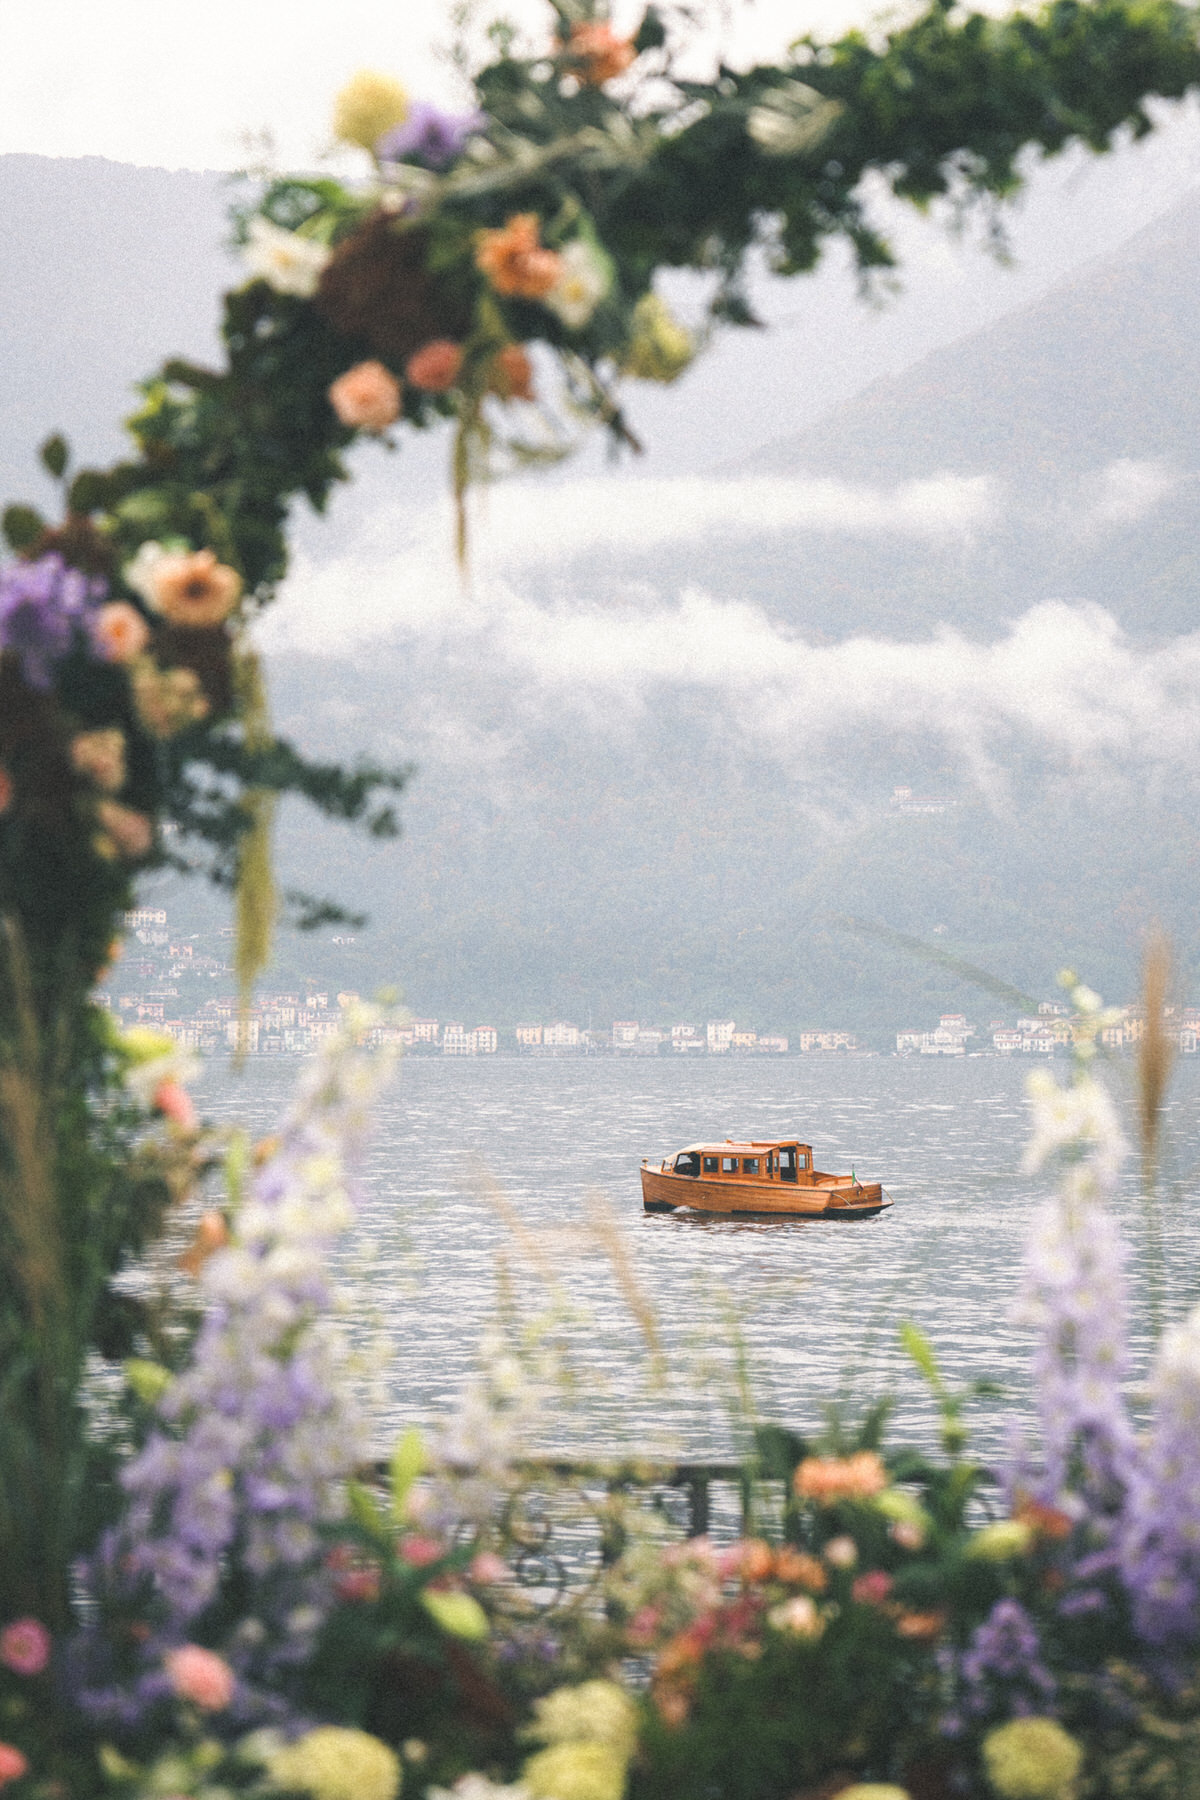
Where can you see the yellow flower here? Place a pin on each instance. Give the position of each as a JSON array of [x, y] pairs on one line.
[[336, 1763], [575, 1772], [1032, 1759], [596, 1712], [659, 347], [369, 105], [873, 1790], [998, 1542]]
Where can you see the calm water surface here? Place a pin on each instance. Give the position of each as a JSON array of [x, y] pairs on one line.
[[503, 1162]]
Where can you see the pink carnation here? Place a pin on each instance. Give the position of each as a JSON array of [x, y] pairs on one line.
[[366, 397], [436, 366], [420, 1551], [25, 1646], [200, 1676], [12, 1764], [872, 1588]]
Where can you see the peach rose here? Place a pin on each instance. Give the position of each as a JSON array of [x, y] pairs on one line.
[[514, 260], [119, 632], [598, 53], [200, 1676], [435, 366], [6, 790], [193, 588], [366, 397], [510, 374], [123, 832], [100, 755]]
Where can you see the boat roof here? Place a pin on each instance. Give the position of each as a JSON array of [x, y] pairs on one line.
[[737, 1146]]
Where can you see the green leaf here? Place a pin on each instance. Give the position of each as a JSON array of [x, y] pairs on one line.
[[918, 1348], [91, 491], [408, 1460], [459, 1615], [22, 527], [55, 455], [365, 1512]]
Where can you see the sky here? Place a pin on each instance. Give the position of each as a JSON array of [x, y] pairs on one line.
[[179, 85]]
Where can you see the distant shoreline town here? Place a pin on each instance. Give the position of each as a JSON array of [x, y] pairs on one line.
[[297, 1022]]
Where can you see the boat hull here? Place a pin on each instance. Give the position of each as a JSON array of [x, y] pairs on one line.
[[825, 1197]]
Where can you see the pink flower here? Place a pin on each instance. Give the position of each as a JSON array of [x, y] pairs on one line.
[[12, 1764], [872, 1588], [420, 1551], [200, 1676], [25, 1646], [642, 1629], [366, 397], [119, 632], [435, 366], [172, 1099], [487, 1568], [193, 589]]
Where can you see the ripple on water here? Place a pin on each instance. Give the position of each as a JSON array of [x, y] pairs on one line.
[[810, 1309]]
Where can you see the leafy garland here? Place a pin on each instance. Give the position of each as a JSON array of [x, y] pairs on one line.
[[132, 716]]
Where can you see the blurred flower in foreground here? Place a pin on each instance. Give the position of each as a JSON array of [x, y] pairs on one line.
[[335, 1762], [366, 397], [1032, 1759], [287, 262], [435, 137], [369, 106]]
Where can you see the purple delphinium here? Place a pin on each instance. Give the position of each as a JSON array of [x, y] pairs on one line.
[[1160, 1549], [1075, 1293], [42, 605], [429, 135], [1000, 1675], [258, 1435]]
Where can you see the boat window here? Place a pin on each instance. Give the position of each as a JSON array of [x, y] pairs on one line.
[[787, 1164], [711, 1164], [804, 1159], [687, 1163], [729, 1165], [750, 1165]]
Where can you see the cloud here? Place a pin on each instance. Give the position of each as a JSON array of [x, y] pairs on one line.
[[402, 573], [1128, 490]]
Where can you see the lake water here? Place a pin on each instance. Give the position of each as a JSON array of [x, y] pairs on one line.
[[518, 1163]]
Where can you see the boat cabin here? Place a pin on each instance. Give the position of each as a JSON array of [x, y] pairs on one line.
[[783, 1162]]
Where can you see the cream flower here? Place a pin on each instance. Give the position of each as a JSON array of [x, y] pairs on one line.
[[369, 105], [335, 1762], [289, 263], [584, 278], [100, 755]]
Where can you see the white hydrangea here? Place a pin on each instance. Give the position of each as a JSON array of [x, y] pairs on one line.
[[289, 263]]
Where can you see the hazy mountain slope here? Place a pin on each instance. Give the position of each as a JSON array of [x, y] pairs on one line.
[[104, 271]]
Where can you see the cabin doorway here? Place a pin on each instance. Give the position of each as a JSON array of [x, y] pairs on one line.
[[787, 1164]]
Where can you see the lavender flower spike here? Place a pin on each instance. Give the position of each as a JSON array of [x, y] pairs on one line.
[[1160, 1555], [429, 136], [258, 1435]]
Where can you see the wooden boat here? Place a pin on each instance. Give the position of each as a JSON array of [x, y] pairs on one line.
[[775, 1177]]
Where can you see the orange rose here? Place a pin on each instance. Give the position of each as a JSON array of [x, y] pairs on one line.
[[6, 790], [510, 374], [757, 1560], [828, 1479], [435, 366], [366, 397], [515, 262], [598, 54], [194, 588], [212, 1234], [921, 1627], [119, 632], [799, 1570]]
